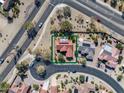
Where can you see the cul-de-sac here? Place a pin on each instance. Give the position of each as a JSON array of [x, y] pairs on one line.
[[61, 46]]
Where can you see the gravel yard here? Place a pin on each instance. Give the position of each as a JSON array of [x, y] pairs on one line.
[[9, 30]]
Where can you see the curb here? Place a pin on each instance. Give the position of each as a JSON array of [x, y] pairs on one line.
[[109, 7]]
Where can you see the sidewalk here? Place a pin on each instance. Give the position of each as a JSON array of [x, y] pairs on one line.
[[12, 74], [9, 30], [108, 6], [41, 11], [41, 33]]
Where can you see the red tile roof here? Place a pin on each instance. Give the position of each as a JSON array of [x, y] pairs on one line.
[[69, 52], [53, 89], [42, 91], [110, 56], [22, 88], [65, 47]]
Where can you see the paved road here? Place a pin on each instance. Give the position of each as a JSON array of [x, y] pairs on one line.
[[73, 4], [82, 9], [20, 32], [103, 10], [52, 69]]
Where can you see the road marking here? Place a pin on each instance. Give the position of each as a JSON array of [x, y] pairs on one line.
[[51, 4]]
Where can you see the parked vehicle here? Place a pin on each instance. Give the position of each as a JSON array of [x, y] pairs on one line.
[[98, 19], [1, 61], [32, 64], [87, 78], [122, 15], [74, 71], [37, 3], [40, 25]]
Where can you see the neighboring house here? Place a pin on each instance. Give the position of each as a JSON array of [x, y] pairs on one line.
[[2, 2], [76, 90], [53, 89], [86, 49], [19, 87], [64, 45], [86, 88], [109, 55], [43, 91], [7, 4], [45, 87]]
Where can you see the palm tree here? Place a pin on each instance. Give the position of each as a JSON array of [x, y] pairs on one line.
[[22, 69]]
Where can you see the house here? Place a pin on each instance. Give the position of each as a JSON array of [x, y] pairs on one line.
[[86, 88], [2, 2], [19, 87], [53, 88], [45, 87], [109, 55], [76, 90], [8, 4], [65, 46], [87, 49], [43, 91]]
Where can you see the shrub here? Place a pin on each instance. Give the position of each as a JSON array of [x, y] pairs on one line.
[[120, 58], [36, 87], [119, 77], [40, 70], [82, 78], [119, 46]]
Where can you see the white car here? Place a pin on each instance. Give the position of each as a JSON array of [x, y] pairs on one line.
[[1, 61], [40, 25]]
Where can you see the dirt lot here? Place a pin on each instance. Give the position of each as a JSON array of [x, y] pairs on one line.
[[7, 30]]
